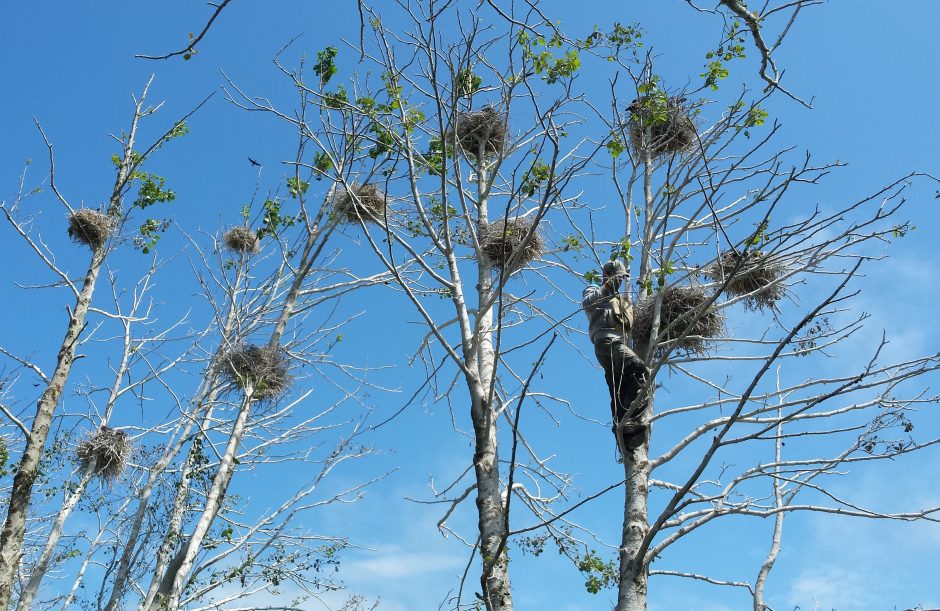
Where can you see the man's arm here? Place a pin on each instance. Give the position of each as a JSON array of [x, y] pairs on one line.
[[591, 295]]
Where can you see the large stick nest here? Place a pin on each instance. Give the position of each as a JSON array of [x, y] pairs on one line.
[[757, 277], [504, 242], [681, 312], [90, 227], [481, 131], [263, 368], [366, 202], [671, 129], [242, 240], [109, 449]]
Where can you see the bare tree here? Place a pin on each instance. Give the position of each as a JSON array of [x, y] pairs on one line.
[[702, 207], [171, 532], [475, 133], [96, 230]]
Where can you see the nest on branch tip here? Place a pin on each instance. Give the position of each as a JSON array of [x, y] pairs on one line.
[[263, 368], [366, 202], [671, 129], [242, 240], [681, 305], [483, 129], [90, 227], [504, 243], [756, 277], [108, 448]]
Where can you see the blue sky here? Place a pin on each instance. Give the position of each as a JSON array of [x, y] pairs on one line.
[[871, 68]]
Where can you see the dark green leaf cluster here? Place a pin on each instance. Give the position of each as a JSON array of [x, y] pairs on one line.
[[534, 177], [149, 234], [273, 221], [731, 47], [325, 67]]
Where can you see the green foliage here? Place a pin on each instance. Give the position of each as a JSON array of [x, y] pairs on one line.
[[466, 83], [4, 457], [393, 90], [337, 100], [571, 242], [552, 68], [325, 67], [273, 221], [760, 234], [592, 277], [435, 157], [621, 38], [149, 234], [152, 190], [296, 187], [366, 105], [179, 130], [731, 48], [534, 177], [384, 140], [651, 108], [322, 164], [615, 145], [621, 251], [901, 231], [599, 574]]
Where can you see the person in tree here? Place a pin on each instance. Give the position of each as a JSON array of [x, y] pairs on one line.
[[609, 320]]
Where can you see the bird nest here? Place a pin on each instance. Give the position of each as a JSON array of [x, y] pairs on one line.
[[242, 240], [109, 449], [681, 314], [753, 275], [366, 202], [90, 227], [263, 368], [504, 243], [671, 129], [480, 131]]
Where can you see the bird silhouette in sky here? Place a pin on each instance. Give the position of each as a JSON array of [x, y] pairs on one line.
[[253, 162]]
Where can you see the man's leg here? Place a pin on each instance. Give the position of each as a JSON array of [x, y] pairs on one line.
[[630, 375]]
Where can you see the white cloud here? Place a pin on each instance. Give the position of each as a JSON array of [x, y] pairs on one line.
[[395, 564]]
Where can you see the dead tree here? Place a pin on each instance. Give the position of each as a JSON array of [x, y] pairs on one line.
[[94, 229]]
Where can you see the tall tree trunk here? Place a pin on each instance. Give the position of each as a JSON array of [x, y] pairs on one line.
[[497, 595], [492, 522], [42, 565], [14, 527], [631, 595], [174, 579]]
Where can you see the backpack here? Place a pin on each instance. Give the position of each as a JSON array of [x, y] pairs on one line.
[[621, 313]]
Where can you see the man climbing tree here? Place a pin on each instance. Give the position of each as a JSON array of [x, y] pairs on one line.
[[609, 320]]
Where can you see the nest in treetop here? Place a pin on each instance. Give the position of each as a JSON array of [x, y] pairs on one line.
[[504, 243], [242, 240], [671, 129], [483, 129], [681, 305], [366, 202], [108, 448], [756, 277], [90, 227], [263, 368]]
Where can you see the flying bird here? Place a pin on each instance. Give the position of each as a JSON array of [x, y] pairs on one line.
[[253, 162]]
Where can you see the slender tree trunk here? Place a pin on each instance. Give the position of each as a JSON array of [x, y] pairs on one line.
[[768, 564], [14, 527], [174, 579], [42, 565], [173, 530], [494, 581], [497, 594], [631, 595]]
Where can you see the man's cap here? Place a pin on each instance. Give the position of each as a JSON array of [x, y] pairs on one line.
[[614, 268]]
